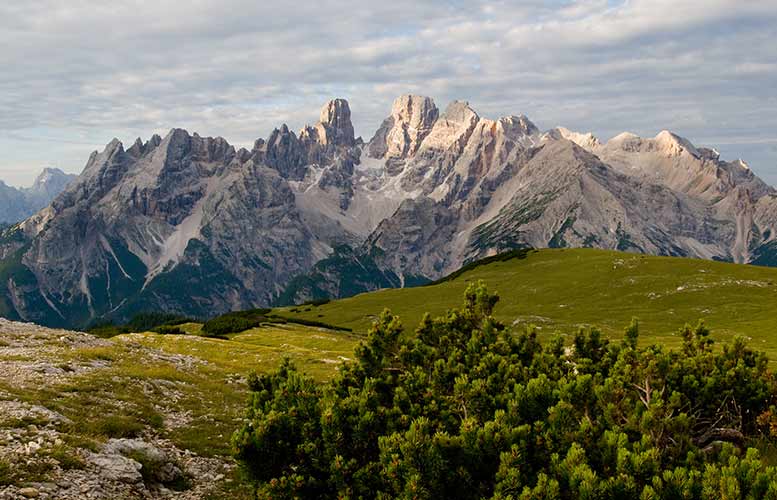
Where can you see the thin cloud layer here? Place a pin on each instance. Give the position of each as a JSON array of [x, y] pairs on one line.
[[77, 73]]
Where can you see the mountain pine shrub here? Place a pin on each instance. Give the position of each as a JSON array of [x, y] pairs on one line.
[[464, 408]]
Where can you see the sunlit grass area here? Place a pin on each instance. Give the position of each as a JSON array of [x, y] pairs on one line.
[[561, 290]]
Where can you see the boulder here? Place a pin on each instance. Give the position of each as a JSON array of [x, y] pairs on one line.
[[114, 467]]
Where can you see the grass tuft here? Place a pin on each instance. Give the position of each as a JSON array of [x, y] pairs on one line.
[[6, 476]]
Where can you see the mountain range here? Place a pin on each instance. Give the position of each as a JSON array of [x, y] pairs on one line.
[[17, 204], [192, 225]]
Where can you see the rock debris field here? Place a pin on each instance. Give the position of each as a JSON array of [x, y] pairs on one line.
[[84, 417]]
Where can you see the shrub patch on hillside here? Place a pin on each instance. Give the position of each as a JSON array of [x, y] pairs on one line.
[[467, 409]]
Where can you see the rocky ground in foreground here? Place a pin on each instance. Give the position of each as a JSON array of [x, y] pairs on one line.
[[84, 417]]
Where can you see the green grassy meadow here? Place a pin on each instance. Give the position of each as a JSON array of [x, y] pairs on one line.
[[317, 351], [199, 381], [561, 290]]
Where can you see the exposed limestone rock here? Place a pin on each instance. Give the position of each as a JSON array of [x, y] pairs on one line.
[[335, 124], [29, 492], [33, 359], [401, 134], [166, 471], [115, 467], [413, 243], [430, 190], [284, 152], [586, 141]]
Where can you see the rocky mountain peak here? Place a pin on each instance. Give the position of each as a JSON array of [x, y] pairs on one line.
[[140, 148], [460, 112], [401, 134], [181, 154], [514, 128], [586, 141], [177, 136], [415, 110], [453, 128], [113, 148], [520, 124], [17, 204], [98, 160], [283, 152], [336, 123], [674, 145], [665, 143], [49, 183], [622, 138], [433, 190], [47, 176], [741, 164], [137, 148]]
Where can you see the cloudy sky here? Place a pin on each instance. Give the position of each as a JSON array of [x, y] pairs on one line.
[[75, 74]]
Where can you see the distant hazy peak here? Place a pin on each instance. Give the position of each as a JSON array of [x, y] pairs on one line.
[[47, 175], [50, 182], [17, 204]]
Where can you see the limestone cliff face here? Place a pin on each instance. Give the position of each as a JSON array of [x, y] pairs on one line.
[[401, 134], [190, 224]]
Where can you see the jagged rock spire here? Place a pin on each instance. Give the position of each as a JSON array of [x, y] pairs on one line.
[[400, 135], [336, 123]]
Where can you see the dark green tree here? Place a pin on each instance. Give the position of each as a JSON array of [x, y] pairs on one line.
[[464, 408]]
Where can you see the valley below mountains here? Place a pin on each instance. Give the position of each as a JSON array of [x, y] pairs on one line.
[[192, 225]]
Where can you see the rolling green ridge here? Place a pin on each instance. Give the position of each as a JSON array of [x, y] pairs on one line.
[[561, 290]]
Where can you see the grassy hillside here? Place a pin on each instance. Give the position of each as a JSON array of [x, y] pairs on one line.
[[563, 289], [317, 351], [189, 390]]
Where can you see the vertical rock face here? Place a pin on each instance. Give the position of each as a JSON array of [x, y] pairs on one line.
[[188, 224], [401, 134], [284, 152], [453, 128], [335, 122], [413, 241], [291, 155]]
